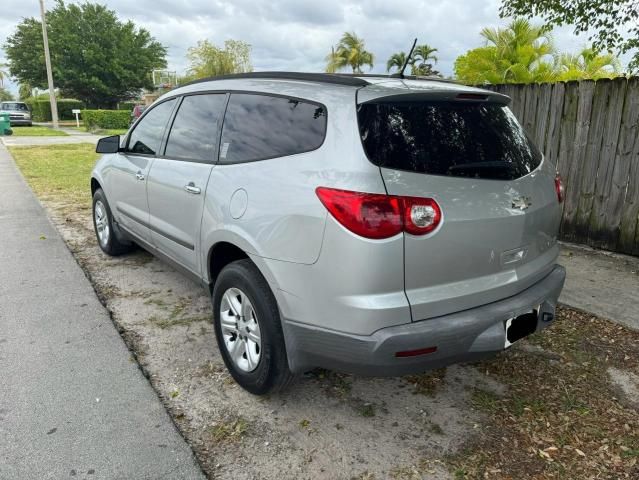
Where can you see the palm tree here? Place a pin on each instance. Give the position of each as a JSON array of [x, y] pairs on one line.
[[420, 60], [396, 60], [520, 50], [350, 51], [587, 64], [332, 61], [515, 54]]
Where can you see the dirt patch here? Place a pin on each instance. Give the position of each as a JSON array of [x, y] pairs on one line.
[[327, 425], [560, 417], [526, 414]]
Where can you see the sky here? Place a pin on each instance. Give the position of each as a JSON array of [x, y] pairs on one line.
[[296, 35]]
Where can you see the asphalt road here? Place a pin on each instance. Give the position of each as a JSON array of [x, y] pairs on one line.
[[73, 403]]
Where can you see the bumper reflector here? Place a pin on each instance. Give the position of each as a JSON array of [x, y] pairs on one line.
[[415, 353]]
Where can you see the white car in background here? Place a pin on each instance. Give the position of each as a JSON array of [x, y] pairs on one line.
[[19, 113]]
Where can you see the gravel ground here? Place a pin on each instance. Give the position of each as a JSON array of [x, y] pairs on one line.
[[326, 425]]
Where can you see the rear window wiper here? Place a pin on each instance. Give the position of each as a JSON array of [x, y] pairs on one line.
[[479, 166]]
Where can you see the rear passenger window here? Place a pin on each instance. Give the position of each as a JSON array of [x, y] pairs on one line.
[[146, 137], [257, 127], [194, 131]]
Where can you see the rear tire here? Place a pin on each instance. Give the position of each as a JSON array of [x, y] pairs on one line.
[[103, 224], [248, 329]]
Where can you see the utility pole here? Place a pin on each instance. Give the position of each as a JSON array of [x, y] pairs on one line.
[[47, 59]]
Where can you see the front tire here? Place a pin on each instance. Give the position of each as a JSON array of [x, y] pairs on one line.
[[249, 330], [103, 225]]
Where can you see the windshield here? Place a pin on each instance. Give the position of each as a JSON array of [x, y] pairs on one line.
[[13, 106], [453, 138]]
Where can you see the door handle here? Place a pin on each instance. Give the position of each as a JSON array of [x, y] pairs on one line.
[[191, 188], [139, 175]]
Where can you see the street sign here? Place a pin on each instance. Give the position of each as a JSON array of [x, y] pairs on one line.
[[76, 111]]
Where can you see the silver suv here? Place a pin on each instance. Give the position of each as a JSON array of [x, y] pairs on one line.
[[373, 225]]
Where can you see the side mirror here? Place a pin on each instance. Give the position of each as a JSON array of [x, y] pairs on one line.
[[108, 144]]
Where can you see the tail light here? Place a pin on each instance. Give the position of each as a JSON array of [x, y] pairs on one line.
[[376, 216], [559, 187], [421, 215], [369, 215]]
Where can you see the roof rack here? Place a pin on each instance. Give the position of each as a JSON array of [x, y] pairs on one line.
[[338, 79]]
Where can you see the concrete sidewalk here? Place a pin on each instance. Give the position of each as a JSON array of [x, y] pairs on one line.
[[74, 136], [73, 403], [602, 283]]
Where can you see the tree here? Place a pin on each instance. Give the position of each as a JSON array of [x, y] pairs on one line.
[[350, 52], [95, 57], [420, 60], [332, 61], [587, 64], [24, 91], [5, 95], [208, 60], [518, 53], [615, 22], [4, 73], [396, 60]]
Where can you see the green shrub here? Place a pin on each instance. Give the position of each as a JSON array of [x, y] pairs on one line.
[[41, 109], [111, 119], [126, 106]]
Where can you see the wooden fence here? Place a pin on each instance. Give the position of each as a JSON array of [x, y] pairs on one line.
[[590, 130]]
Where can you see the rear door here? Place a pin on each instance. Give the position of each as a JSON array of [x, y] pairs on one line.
[[128, 176], [177, 181], [499, 205]]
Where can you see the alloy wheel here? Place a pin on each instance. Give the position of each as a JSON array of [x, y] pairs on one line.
[[240, 330], [101, 223]]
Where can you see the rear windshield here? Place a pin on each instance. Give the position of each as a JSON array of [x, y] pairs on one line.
[[14, 106], [476, 140]]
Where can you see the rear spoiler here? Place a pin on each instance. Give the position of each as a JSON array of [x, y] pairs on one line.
[[377, 94]]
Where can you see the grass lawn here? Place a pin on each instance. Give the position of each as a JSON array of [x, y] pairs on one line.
[[58, 172], [36, 132]]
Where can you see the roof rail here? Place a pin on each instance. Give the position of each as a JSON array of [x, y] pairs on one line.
[[338, 79]]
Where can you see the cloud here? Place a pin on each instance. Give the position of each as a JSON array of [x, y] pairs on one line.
[[297, 35]]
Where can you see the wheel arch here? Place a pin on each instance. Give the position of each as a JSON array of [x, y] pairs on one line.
[[225, 251], [228, 251], [95, 184], [219, 256]]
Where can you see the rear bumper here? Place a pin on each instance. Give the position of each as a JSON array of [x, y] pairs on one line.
[[463, 336]]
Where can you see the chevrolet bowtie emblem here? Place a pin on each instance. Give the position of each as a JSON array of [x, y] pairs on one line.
[[521, 203]]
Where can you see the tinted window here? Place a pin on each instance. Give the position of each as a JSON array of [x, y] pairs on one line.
[[14, 107], [147, 135], [194, 131], [478, 140], [258, 127]]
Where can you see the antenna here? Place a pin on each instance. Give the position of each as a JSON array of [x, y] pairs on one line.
[[400, 74]]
